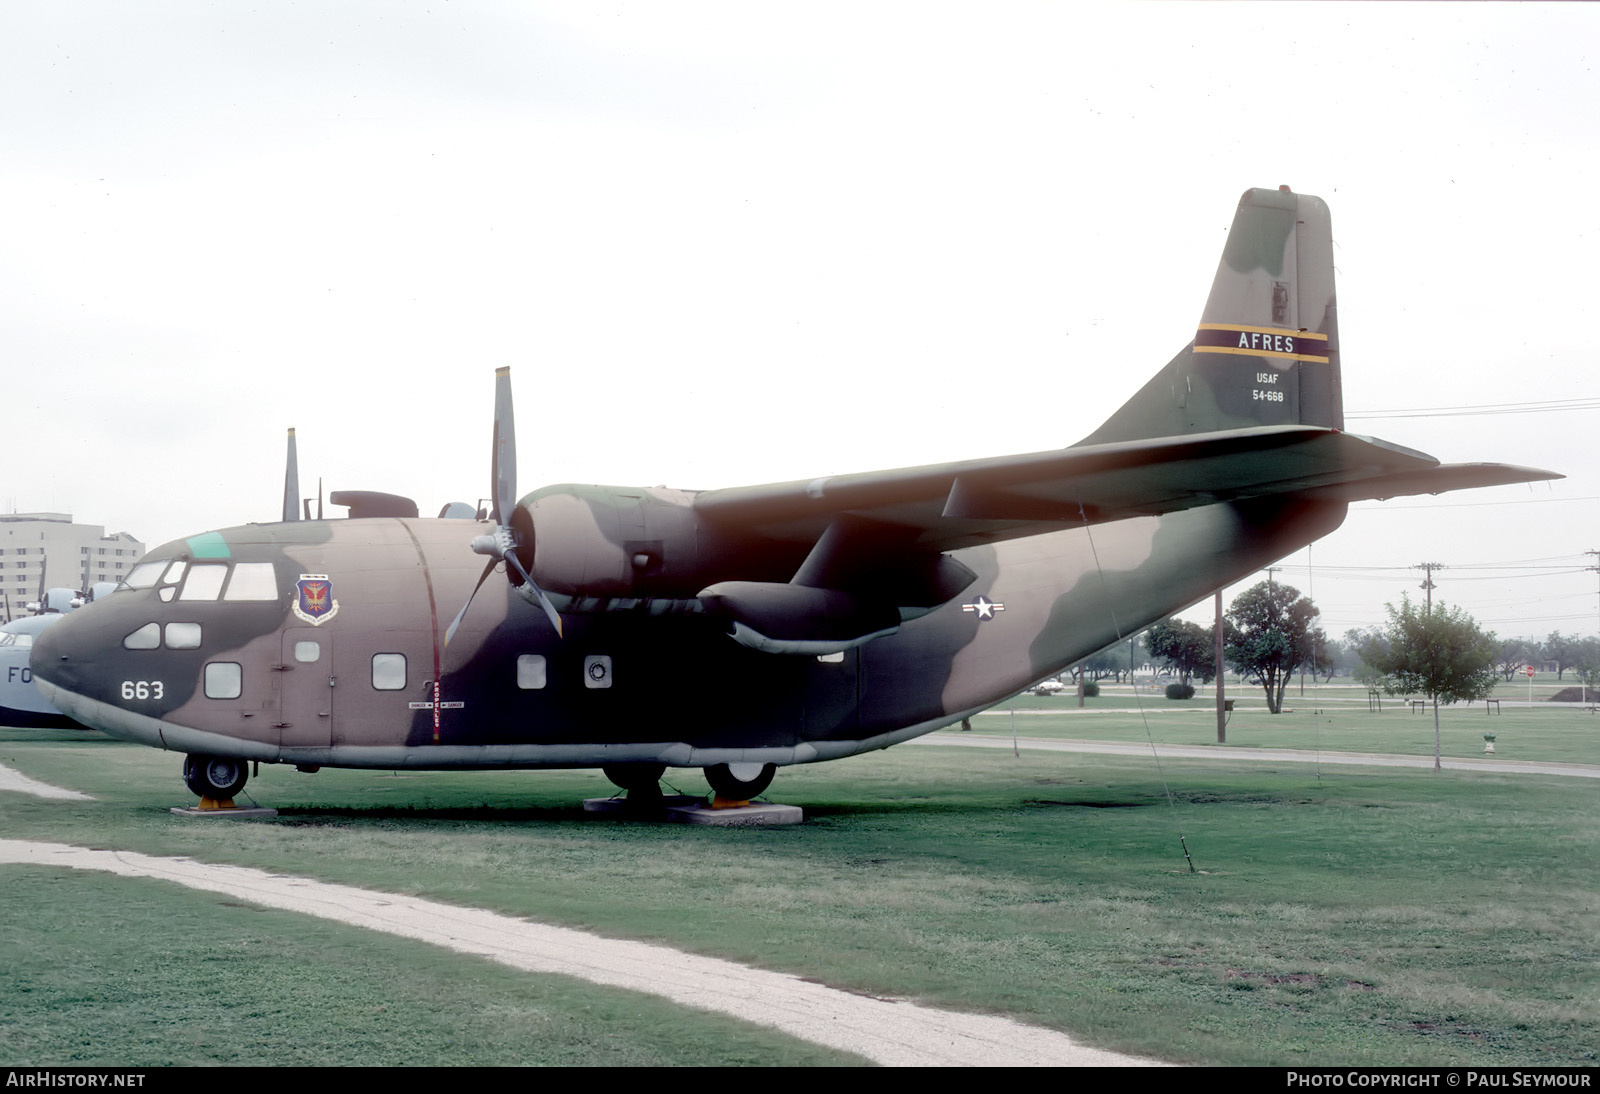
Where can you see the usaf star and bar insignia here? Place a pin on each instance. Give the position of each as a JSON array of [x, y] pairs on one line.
[[983, 607]]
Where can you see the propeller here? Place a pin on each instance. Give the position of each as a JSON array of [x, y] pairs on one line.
[[502, 544], [291, 482]]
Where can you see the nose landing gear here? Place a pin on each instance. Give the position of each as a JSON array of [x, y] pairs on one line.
[[215, 779]]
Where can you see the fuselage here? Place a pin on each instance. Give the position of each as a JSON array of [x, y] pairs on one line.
[[21, 704], [322, 643]]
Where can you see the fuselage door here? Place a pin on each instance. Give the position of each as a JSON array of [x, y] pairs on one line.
[[308, 687]]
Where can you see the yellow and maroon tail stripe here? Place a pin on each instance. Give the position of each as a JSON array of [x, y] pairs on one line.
[[1282, 342]]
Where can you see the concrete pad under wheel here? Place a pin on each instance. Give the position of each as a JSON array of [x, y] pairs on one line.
[[621, 807], [754, 814], [234, 814]]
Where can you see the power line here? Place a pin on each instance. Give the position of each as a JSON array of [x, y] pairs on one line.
[[1540, 406]]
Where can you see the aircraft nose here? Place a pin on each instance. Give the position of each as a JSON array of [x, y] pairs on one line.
[[59, 654]]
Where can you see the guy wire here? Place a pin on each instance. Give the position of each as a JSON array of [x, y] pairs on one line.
[[1116, 625]]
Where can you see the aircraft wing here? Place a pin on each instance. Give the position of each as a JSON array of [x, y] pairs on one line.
[[981, 501]]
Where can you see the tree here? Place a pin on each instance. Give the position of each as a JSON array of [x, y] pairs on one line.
[[1182, 647], [1560, 649], [1586, 664], [1365, 642], [1332, 658], [1440, 653], [1269, 634], [1114, 660], [1514, 653]]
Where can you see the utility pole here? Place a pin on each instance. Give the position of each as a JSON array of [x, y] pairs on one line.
[[1427, 582], [1222, 706], [1596, 569]]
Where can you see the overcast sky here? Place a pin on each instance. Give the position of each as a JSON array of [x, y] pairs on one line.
[[734, 243]]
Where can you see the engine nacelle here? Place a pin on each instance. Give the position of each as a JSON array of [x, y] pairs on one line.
[[604, 541]]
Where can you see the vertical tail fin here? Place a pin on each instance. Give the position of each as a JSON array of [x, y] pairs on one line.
[[1266, 351]]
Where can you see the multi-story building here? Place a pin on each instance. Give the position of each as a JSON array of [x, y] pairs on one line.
[[46, 550]]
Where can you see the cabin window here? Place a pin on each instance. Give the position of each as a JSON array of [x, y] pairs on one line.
[[388, 671], [147, 637], [205, 581], [183, 636], [597, 671], [144, 575], [253, 581], [224, 680], [307, 651], [530, 671]]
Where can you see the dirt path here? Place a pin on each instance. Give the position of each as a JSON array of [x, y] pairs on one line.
[[882, 1030], [12, 780]]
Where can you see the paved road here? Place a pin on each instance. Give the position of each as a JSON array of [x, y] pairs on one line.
[[1262, 755]]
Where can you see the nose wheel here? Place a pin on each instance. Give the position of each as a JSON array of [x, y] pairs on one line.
[[215, 778]]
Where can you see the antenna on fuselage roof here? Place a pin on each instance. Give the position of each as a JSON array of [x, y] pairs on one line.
[[307, 502]]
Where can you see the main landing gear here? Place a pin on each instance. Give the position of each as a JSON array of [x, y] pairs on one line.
[[641, 781], [215, 779], [738, 783], [733, 784]]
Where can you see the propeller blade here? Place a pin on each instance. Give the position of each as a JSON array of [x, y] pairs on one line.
[[291, 482], [504, 469], [544, 601], [450, 632], [501, 543]]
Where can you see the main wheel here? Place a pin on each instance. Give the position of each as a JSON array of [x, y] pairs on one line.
[[643, 777], [740, 782], [215, 777]]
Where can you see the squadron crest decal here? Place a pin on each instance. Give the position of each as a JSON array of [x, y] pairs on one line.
[[314, 602]]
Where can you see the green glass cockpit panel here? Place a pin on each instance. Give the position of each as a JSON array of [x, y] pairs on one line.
[[209, 545]]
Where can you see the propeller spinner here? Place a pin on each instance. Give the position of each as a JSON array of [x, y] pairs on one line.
[[503, 544]]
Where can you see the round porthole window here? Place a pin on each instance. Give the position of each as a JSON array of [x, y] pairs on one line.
[[597, 672]]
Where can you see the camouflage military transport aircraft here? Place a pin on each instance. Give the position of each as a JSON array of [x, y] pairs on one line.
[[740, 630]]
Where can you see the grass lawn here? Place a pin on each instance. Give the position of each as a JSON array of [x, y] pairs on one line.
[[1379, 916]]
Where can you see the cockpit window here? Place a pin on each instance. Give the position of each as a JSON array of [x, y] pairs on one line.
[[183, 636], [174, 572], [147, 637], [205, 581], [144, 575], [16, 640], [253, 581]]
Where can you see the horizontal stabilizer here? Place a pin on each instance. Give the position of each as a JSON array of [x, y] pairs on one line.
[[1434, 480]]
